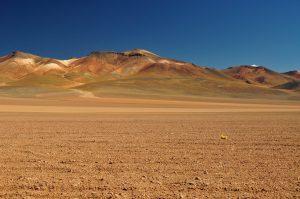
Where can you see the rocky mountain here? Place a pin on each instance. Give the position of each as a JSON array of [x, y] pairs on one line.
[[136, 72]]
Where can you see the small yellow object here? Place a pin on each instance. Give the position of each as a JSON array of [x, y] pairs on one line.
[[224, 137]]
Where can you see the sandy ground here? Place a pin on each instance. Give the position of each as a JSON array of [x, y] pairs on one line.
[[148, 149]]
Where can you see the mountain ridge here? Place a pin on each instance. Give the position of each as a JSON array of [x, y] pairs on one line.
[[141, 71]]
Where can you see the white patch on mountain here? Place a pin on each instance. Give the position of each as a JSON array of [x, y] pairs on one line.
[[48, 67], [67, 62], [24, 61]]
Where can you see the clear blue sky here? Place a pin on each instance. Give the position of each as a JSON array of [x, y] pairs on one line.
[[215, 33]]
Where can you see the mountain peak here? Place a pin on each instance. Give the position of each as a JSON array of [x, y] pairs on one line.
[[249, 68], [139, 52], [129, 53], [21, 54], [256, 74]]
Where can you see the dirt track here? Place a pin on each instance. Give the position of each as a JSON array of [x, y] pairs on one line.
[[150, 155]]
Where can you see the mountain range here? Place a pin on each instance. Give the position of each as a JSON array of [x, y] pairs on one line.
[[139, 73]]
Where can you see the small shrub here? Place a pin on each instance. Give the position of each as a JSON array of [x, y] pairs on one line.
[[224, 137]]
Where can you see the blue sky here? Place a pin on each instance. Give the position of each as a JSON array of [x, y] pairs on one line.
[[215, 33]]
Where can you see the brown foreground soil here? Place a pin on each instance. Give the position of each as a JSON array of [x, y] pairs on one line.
[[175, 154]]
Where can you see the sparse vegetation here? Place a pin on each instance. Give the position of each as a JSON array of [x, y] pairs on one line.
[[224, 137]]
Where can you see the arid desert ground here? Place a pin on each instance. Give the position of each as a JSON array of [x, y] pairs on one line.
[[143, 148]]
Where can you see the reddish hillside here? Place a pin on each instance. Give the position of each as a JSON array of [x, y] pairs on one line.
[[256, 75], [136, 62], [293, 73]]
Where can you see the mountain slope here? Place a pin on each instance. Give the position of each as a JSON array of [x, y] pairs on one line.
[[292, 85]]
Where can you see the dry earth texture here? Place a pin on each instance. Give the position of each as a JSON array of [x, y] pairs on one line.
[[142, 148]]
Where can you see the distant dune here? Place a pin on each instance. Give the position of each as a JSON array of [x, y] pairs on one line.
[[138, 73]]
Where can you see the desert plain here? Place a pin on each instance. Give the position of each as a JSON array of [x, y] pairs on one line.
[[93, 147]]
